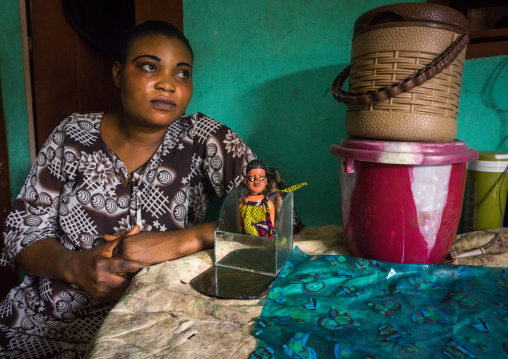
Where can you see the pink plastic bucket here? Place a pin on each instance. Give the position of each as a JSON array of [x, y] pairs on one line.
[[401, 201]]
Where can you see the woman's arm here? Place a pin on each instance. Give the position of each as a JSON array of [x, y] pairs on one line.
[[93, 270], [156, 247]]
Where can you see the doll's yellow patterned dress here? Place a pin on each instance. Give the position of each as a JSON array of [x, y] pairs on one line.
[[256, 215], [256, 218]]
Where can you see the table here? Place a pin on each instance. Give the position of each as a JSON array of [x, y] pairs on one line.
[[161, 316]]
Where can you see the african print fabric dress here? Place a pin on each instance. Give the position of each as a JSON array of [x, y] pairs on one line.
[[256, 218], [77, 191]]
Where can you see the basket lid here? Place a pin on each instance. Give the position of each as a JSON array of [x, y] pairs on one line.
[[420, 14], [404, 153]]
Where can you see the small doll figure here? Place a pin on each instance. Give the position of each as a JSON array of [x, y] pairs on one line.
[[256, 213], [363, 264], [311, 283], [431, 315], [463, 299], [296, 347], [263, 353], [339, 319]]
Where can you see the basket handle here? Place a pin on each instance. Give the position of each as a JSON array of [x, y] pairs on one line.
[[395, 89]]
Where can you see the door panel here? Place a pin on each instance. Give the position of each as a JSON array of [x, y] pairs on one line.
[[68, 74], [8, 276]]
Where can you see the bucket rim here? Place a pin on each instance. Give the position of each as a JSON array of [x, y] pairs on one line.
[[404, 153]]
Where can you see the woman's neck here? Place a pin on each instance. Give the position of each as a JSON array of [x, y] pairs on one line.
[[133, 144], [130, 133]]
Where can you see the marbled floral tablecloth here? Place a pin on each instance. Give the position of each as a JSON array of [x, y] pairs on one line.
[[161, 316]]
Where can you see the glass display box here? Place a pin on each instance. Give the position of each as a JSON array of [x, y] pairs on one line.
[[246, 265]]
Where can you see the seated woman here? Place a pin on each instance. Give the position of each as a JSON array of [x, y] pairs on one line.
[[143, 175]]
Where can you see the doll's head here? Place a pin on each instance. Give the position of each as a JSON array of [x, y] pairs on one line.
[[255, 180], [149, 28]]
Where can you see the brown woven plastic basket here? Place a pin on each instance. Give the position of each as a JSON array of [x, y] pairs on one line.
[[405, 73]]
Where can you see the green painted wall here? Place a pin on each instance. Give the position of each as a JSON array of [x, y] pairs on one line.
[[265, 68], [13, 95], [483, 117]]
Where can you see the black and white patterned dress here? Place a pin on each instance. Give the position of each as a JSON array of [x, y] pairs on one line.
[[77, 191]]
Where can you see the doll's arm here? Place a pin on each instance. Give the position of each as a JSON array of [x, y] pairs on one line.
[[271, 208], [240, 218]]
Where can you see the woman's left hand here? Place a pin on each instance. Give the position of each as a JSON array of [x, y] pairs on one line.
[[156, 247], [118, 238]]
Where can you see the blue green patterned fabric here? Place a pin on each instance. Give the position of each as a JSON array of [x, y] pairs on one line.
[[346, 307]]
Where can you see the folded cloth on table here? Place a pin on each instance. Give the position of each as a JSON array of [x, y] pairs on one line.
[[336, 306]]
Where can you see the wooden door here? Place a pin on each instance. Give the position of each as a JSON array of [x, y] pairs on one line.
[[68, 74], [8, 276]]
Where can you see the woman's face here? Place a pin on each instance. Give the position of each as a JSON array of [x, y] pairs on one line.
[[155, 81], [255, 181]]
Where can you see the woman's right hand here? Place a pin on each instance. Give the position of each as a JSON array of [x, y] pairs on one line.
[[93, 270], [101, 276], [106, 278]]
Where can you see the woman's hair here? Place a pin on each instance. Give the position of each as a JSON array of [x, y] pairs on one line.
[[254, 164], [152, 27]]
